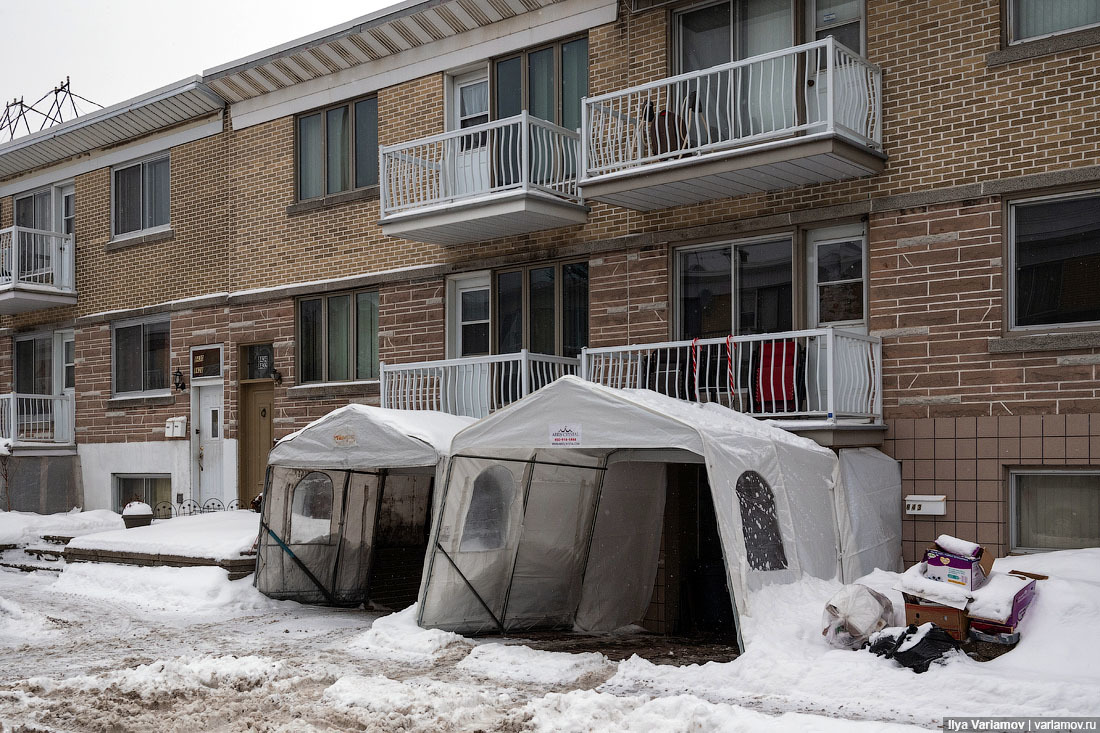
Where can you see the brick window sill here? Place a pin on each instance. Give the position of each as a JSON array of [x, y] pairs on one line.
[[1044, 47], [1069, 341], [146, 401], [162, 236], [370, 193], [366, 388]]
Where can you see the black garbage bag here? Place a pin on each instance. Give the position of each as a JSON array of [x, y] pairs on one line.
[[916, 647]]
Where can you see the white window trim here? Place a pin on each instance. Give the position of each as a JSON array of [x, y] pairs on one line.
[[832, 235], [459, 78], [167, 391], [1010, 266], [813, 27], [455, 285], [200, 381], [141, 232], [1011, 23], [1013, 530]]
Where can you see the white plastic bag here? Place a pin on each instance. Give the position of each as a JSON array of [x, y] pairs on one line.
[[853, 614]]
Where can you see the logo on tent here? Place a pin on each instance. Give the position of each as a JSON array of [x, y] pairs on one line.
[[344, 440], [565, 434]]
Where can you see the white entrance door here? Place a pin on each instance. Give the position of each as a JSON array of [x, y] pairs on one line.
[[207, 441], [65, 378], [471, 154]]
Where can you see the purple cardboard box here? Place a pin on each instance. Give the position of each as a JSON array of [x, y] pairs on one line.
[[962, 570], [1021, 601]]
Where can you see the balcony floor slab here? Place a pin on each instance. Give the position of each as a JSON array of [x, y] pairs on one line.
[[21, 299]]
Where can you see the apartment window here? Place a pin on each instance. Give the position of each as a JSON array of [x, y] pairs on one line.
[[549, 82], [140, 196], [34, 364], [1030, 19], [141, 355], [1054, 250], [338, 149], [1055, 510], [151, 489], [542, 308], [33, 211], [838, 278], [842, 19], [735, 288], [718, 33], [338, 337]]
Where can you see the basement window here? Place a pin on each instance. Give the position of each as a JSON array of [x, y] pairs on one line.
[[1055, 510], [1032, 19]]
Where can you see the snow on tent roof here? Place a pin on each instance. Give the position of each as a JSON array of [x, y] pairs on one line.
[[356, 436]]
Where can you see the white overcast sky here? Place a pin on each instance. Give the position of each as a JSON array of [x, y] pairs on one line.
[[113, 50]]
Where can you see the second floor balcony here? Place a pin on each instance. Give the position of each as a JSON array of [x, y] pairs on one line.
[[36, 270], [816, 378], [794, 117], [497, 179]]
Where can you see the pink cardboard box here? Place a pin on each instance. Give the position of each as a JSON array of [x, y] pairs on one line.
[[963, 570]]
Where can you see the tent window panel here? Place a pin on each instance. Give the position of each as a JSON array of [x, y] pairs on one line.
[[486, 525], [311, 509], [760, 523]]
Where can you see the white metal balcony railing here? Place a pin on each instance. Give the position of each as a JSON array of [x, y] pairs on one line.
[[820, 373], [36, 257], [520, 153], [816, 88], [473, 386], [27, 418]]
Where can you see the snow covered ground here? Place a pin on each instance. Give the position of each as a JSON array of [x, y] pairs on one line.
[[102, 647]]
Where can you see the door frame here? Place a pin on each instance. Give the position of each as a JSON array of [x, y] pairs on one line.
[[242, 384], [193, 435]]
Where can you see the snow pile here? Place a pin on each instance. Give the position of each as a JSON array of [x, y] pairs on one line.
[[417, 704], [397, 637], [787, 664], [185, 590], [136, 508], [18, 626], [523, 664], [171, 677], [23, 528], [1066, 565], [993, 601], [216, 535], [585, 711], [913, 582]]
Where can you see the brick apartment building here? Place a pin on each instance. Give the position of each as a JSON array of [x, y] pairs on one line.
[[897, 234]]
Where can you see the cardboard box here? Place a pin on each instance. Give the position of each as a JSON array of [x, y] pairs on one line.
[[952, 620], [969, 572], [1020, 604]]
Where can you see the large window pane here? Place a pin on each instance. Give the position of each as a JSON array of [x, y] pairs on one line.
[[156, 355], [1042, 17], [541, 284], [127, 359], [540, 84], [706, 289], [1057, 511], [509, 312], [574, 307], [311, 337], [337, 147], [765, 276], [310, 168], [509, 84], [574, 81], [156, 191], [840, 281], [339, 334], [1057, 252], [127, 203], [33, 365], [366, 142], [366, 336], [704, 38]]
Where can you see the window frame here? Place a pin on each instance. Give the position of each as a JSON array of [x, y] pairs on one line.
[[1008, 23], [141, 230], [144, 392], [1009, 238], [352, 338], [117, 488], [525, 269], [1013, 500], [322, 112], [813, 295], [525, 92]]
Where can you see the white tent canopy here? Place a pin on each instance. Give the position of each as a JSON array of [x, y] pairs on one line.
[[551, 513], [347, 505]]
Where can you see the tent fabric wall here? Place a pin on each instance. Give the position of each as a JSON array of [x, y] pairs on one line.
[[362, 452], [868, 508], [800, 475]]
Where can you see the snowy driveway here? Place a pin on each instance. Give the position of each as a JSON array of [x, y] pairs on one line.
[[105, 648]]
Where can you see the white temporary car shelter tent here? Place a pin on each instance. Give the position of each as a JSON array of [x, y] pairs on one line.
[[337, 489], [552, 508]]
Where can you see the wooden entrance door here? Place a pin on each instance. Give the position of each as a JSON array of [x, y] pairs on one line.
[[257, 434]]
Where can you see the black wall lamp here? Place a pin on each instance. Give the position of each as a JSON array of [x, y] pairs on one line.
[[177, 380], [277, 376]]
